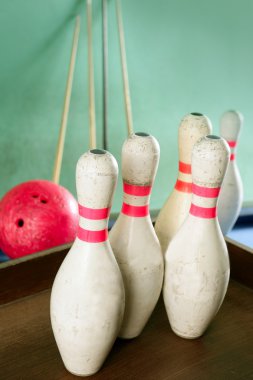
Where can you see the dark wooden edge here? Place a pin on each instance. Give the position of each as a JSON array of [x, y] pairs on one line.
[[34, 273], [30, 274], [241, 262]]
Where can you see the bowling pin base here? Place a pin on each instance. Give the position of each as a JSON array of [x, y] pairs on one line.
[[129, 335], [132, 328], [186, 336], [82, 374]]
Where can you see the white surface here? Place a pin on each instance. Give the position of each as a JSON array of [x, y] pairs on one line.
[[177, 205], [88, 298], [196, 261], [133, 239], [231, 195]]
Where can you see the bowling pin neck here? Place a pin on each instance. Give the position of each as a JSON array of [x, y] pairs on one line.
[[232, 144], [210, 158], [192, 128], [140, 158], [209, 163], [184, 179], [136, 200], [93, 224], [204, 201], [230, 127], [96, 177]]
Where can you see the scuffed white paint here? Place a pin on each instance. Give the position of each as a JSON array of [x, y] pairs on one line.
[[175, 210], [133, 239], [87, 300], [196, 261], [231, 195]]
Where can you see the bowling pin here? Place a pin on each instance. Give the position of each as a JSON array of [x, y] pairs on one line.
[[173, 213], [231, 195], [133, 239], [196, 261], [87, 300]]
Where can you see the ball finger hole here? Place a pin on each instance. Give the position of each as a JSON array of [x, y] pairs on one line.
[[20, 222]]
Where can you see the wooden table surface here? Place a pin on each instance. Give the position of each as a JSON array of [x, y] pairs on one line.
[[28, 349]]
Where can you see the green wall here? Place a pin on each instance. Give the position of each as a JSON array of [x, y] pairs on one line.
[[183, 56]]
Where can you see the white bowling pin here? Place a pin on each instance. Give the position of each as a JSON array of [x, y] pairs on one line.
[[176, 208], [196, 261], [231, 195], [87, 300], [133, 239]]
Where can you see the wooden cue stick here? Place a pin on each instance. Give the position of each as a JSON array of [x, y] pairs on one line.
[[92, 116], [105, 75], [62, 133], [124, 69]]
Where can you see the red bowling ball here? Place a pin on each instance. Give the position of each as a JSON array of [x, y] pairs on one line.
[[36, 215]]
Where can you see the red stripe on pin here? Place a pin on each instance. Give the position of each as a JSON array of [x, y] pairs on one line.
[[185, 187], [203, 212], [92, 236], [136, 190], [185, 168], [232, 144], [232, 157], [94, 213], [135, 211], [207, 192]]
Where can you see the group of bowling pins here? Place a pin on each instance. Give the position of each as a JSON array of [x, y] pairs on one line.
[[109, 286]]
